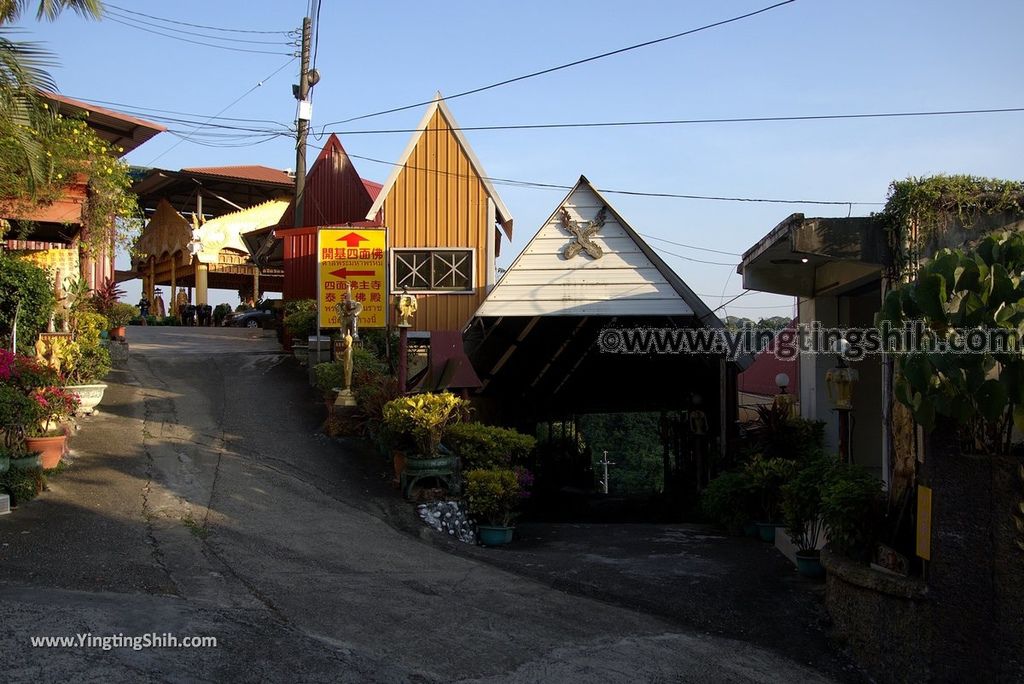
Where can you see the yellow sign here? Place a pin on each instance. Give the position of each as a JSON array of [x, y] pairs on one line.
[[63, 260], [355, 256], [924, 522]]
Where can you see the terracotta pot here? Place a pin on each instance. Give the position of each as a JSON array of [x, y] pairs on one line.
[[50, 449], [117, 333], [399, 459]]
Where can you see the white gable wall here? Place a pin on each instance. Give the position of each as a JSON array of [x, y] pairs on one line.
[[623, 282]]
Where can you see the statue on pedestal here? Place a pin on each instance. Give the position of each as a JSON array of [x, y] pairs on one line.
[[348, 314], [405, 307]]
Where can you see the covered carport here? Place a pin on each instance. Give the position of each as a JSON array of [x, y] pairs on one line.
[[547, 342]]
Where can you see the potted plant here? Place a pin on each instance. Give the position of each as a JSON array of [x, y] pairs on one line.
[[493, 495], [422, 421], [84, 361], [45, 434], [119, 315], [802, 512], [767, 475]]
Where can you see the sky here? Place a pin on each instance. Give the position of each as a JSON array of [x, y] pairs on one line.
[[808, 57]]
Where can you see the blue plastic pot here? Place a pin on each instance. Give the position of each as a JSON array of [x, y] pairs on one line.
[[494, 535]]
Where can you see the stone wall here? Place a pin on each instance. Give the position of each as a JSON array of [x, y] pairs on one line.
[[883, 619]]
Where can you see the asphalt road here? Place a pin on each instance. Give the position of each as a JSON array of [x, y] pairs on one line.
[[202, 501]]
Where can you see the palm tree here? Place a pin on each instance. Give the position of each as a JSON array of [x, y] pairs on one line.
[[23, 73]]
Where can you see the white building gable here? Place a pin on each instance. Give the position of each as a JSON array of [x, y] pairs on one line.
[[628, 279]]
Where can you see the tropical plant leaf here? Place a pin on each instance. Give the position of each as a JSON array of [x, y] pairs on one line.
[[991, 399]]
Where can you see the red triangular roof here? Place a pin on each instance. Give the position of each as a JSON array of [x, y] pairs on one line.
[[335, 194]]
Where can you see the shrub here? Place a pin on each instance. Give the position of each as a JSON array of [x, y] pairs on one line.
[[487, 446], [493, 494], [424, 418], [300, 318], [767, 476], [84, 360], [24, 283], [119, 314], [849, 506], [801, 504], [729, 500], [219, 312], [16, 410], [106, 296], [22, 485]]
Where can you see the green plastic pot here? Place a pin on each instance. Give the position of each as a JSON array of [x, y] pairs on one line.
[[494, 535]]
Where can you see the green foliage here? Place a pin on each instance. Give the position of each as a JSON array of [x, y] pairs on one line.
[[767, 476], [633, 441], [727, 500], [300, 318], [925, 201], [16, 410], [330, 376], [982, 393], [425, 418], [487, 446], [493, 494], [850, 502], [23, 282], [120, 314], [801, 503], [22, 484], [84, 360], [783, 436]]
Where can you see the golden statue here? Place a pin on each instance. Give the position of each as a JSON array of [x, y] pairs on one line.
[[405, 307], [348, 313]]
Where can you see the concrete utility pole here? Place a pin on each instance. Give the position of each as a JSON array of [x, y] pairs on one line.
[[605, 463], [304, 115]]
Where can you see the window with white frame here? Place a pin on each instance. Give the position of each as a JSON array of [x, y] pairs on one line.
[[433, 270]]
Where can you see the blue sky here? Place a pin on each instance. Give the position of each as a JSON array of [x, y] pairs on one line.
[[808, 57]]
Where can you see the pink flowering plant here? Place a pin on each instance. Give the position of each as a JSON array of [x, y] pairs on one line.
[[52, 406]]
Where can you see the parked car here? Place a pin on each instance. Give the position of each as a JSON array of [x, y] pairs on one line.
[[263, 315]]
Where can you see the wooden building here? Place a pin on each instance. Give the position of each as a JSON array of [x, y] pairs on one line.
[[445, 223], [54, 231], [544, 341]]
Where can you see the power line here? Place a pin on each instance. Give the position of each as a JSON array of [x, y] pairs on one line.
[[741, 294], [636, 193], [140, 108], [125, 17], [196, 42], [568, 65], [185, 23], [683, 244], [229, 106], [699, 261], [685, 122]]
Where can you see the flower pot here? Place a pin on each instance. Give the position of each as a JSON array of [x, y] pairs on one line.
[[117, 333], [398, 459], [494, 535], [766, 531], [50, 449], [89, 395], [808, 564]]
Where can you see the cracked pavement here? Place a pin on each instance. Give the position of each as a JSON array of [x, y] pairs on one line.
[[202, 500]]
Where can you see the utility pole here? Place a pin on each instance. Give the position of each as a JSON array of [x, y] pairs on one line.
[[304, 115]]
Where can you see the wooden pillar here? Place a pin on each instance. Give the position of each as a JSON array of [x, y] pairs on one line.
[[256, 284], [171, 300], [152, 279], [201, 279]]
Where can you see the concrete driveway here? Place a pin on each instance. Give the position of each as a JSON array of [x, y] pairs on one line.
[[202, 501]]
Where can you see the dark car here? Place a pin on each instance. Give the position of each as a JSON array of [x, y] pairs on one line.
[[264, 315]]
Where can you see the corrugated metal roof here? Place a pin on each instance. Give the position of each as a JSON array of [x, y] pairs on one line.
[[121, 130], [245, 172]]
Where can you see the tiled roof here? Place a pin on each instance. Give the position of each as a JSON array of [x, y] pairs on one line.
[[248, 172]]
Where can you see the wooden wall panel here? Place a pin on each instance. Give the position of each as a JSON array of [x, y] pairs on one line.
[[438, 200]]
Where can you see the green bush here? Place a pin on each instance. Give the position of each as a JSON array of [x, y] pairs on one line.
[[22, 485], [84, 359], [120, 314], [849, 507], [493, 494], [729, 500], [487, 446], [424, 418], [300, 319], [767, 476], [801, 503], [24, 283]]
